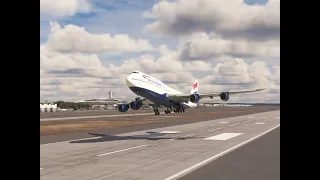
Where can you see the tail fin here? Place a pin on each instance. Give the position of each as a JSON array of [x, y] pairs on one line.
[[194, 89]]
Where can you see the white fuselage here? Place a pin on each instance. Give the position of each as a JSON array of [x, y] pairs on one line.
[[153, 89]]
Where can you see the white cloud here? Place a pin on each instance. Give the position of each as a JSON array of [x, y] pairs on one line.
[[60, 8], [231, 18], [236, 73], [71, 64], [221, 51], [76, 39], [275, 74], [174, 77], [229, 74], [204, 46], [197, 66]]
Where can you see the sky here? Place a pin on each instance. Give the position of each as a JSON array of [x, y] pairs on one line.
[[89, 47]]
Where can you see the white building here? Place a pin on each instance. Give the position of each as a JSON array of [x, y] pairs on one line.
[[48, 107]]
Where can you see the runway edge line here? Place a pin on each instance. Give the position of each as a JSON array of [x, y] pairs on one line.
[[202, 163]]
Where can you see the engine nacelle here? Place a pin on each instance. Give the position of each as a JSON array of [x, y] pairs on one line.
[[224, 96], [123, 107], [135, 105], [194, 98]]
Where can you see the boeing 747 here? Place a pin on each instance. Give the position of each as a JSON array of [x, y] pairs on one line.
[[152, 89]]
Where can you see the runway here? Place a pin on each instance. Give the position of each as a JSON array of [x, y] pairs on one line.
[[160, 153], [259, 159], [92, 117], [86, 113], [74, 115], [164, 120]]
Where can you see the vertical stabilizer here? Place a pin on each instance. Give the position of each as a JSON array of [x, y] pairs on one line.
[[194, 89]]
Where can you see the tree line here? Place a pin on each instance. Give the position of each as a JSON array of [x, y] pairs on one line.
[[72, 105]]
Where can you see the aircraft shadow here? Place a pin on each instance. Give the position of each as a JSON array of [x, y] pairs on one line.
[[106, 138]]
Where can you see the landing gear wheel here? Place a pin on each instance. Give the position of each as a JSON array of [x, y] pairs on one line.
[[156, 112]]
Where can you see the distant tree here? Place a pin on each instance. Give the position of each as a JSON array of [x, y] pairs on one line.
[[72, 105], [60, 104]]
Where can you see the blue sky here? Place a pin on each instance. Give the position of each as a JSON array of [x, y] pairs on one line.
[[125, 17], [117, 17], [112, 17]]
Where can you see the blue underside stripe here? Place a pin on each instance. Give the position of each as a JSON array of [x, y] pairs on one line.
[[160, 99]]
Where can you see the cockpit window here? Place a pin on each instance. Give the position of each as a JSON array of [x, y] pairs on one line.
[[134, 72]]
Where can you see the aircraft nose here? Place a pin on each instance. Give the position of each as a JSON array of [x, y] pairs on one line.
[[129, 81]]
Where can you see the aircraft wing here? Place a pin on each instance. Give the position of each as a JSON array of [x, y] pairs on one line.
[[186, 97]]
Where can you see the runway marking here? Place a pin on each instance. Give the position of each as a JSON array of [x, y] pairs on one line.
[[169, 132], [206, 161], [234, 124], [223, 136], [260, 123], [121, 150], [265, 117], [214, 129], [260, 118], [223, 122], [189, 135], [128, 114]]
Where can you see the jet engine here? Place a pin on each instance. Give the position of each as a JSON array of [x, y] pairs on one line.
[[123, 107], [224, 96], [194, 98], [135, 105]]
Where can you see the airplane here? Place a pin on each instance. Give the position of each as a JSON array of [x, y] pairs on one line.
[[157, 94]]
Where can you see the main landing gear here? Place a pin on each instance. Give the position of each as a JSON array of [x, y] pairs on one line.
[[167, 111], [179, 109], [156, 111]]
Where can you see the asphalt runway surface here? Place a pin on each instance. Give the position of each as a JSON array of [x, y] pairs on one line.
[[164, 120], [50, 116], [259, 159], [161, 153], [68, 114]]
